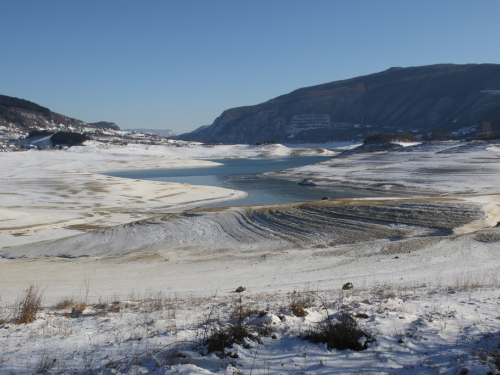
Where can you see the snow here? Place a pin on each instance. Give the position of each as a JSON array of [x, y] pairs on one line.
[[411, 330], [157, 275], [407, 144], [46, 195], [447, 168]]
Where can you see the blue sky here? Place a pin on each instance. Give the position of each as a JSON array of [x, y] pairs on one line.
[[179, 64]]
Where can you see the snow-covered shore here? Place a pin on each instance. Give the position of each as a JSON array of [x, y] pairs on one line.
[[424, 268], [55, 194], [55, 205], [445, 168]]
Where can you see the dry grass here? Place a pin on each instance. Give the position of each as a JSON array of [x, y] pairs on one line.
[[297, 308], [65, 304], [300, 303], [77, 308], [227, 323], [29, 305]]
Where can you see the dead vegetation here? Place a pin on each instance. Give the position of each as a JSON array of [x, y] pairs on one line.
[[300, 302], [28, 305], [76, 307], [220, 335], [232, 327], [223, 336], [340, 334]]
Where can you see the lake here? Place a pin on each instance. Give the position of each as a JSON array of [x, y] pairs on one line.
[[243, 174]]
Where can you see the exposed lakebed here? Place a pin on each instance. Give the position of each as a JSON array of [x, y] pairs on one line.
[[245, 174]]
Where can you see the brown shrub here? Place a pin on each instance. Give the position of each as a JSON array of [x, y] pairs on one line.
[[64, 304], [78, 309], [300, 303], [29, 305]]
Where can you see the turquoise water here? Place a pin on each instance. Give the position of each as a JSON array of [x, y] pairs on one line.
[[243, 174]]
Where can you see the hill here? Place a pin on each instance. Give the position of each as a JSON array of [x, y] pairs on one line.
[[445, 98], [19, 117], [24, 124], [22, 116]]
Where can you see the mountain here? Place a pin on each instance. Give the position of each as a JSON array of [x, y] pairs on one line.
[[24, 116], [159, 132], [432, 99], [18, 117]]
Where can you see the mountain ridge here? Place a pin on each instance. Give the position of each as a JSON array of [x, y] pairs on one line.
[[434, 98]]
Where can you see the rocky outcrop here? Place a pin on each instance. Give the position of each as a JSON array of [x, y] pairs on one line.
[[437, 98]]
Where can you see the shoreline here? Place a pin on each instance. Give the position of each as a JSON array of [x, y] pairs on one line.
[[38, 189], [179, 269]]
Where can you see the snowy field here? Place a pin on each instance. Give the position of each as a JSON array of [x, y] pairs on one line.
[[132, 278]]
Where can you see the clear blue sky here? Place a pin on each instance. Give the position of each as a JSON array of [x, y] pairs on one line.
[[179, 64]]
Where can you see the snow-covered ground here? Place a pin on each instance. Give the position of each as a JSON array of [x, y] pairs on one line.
[[408, 329], [447, 168], [153, 281], [54, 194]]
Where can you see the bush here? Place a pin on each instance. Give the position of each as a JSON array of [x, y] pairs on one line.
[[64, 304], [340, 335], [29, 305], [224, 337], [221, 336], [300, 303], [77, 308]]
